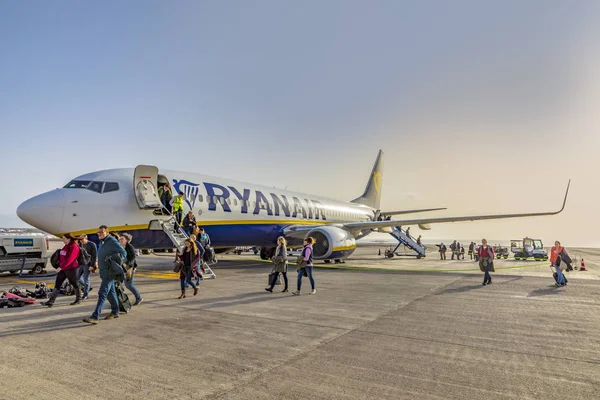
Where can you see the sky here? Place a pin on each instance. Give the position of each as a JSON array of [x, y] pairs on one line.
[[480, 106]]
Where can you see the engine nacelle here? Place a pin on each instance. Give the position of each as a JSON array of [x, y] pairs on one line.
[[332, 243], [425, 227]]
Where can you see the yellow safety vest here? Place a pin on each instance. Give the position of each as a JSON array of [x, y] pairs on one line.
[[178, 204]]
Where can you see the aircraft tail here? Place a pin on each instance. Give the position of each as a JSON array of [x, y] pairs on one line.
[[372, 195]]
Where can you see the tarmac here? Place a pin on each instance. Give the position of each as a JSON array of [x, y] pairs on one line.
[[376, 329]]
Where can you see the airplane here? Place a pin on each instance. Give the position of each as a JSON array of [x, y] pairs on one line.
[[233, 213]]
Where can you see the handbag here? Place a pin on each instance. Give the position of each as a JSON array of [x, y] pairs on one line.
[[300, 262], [178, 267], [129, 273]]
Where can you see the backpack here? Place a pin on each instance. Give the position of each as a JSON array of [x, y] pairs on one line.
[[84, 257], [55, 259]]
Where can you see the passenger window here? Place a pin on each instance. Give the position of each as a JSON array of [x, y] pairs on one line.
[[215, 199], [111, 187], [229, 201], [200, 199], [235, 203], [95, 187]]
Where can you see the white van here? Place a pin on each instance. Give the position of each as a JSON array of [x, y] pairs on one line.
[[32, 247]]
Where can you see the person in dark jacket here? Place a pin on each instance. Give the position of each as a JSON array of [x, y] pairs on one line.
[[110, 253], [189, 223], [130, 266], [189, 257], [69, 270], [166, 195], [471, 250], [280, 264], [442, 250], [199, 267], [307, 256], [86, 270], [486, 261]]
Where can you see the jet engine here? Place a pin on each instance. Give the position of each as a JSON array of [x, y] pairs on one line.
[[332, 243], [425, 227]]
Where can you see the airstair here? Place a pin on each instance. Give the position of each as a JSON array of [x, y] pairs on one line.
[[407, 241], [178, 237]]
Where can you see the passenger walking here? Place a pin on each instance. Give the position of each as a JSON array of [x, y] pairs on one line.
[[555, 260], [419, 241], [471, 250], [110, 253], [165, 194], [454, 247], [177, 203], [280, 265], [189, 223], [69, 270], [92, 266], [306, 266], [130, 266], [203, 238], [199, 267], [189, 258], [462, 251], [486, 261], [442, 250], [408, 231]]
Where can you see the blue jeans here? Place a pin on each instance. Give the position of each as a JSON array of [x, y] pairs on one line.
[[106, 291], [308, 270], [487, 277], [187, 280], [84, 279], [130, 285], [560, 278]]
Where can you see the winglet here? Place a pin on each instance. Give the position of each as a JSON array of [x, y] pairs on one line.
[[565, 200]]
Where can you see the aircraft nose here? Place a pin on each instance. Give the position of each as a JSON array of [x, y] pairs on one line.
[[44, 211]]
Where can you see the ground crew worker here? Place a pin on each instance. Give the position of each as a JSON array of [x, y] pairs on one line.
[[471, 250], [177, 204]]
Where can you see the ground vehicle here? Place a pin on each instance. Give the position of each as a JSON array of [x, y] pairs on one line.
[[528, 248], [14, 248], [501, 252]]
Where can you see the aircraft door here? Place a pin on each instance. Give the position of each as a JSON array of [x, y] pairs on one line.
[[145, 186]]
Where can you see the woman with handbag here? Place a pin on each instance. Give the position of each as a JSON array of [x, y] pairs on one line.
[[485, 254], [130, 266], [279, 265], [305, 265], [556, 255], [188, 259]]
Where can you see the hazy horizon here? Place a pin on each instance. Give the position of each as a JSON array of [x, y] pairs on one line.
[[481, 107]]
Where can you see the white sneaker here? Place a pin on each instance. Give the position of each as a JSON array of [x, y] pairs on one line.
[[314, 291], [296, 293]]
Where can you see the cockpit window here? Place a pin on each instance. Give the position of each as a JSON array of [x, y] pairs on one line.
[[77, 185], [111, 187], [95, 187]]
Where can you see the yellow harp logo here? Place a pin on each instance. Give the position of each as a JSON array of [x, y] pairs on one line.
[[377, 181]]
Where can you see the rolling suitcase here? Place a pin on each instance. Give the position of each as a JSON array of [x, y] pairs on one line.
[[124, 303]]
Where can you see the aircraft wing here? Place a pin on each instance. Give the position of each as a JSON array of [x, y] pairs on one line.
[[410, 211], [357, 226]]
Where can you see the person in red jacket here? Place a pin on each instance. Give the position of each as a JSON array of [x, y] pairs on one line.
[[486, 261], [69, 268]]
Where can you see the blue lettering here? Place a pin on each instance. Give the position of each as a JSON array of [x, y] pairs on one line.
[[243, 198], [285, 205], [262, 200], [214, 198], [319, 214], [298, 207], [309, 208]]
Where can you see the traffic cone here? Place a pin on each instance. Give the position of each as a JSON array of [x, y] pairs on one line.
[[582, 268]]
